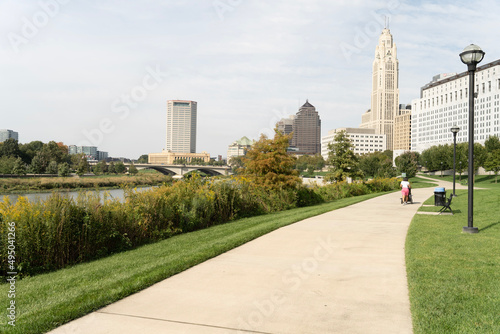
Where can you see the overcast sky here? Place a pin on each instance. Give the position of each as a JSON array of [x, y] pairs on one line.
[[100, 72]]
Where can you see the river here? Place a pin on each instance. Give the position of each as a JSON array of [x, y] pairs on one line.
[[112, 193]]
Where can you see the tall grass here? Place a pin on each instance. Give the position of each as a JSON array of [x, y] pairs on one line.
[[61, 231]]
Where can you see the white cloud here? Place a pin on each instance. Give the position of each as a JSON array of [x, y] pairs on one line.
[[262, 60]]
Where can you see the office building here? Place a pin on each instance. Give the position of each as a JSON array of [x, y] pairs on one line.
[[239, 147], [307, 130], [444, 103], [285, 125], [385, 89], [8, 134], [181, 126], [90, 152], [402, 129], [169, 158], [364, 140]]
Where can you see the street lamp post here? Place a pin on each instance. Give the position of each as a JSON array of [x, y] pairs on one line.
[[471, 56], [454, 130]]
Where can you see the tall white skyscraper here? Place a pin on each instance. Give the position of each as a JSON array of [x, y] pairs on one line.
[[385, 89], [181, 126]]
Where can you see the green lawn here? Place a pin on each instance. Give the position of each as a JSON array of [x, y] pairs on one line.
[[485, 181], [47, 301], [453, 277], [417, 182]]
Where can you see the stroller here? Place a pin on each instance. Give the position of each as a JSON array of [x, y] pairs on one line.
[[410, 197]]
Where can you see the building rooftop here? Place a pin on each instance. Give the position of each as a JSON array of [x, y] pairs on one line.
[[307, 105], [244, 141]]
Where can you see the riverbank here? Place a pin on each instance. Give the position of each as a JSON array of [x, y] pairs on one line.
[[62, 184]]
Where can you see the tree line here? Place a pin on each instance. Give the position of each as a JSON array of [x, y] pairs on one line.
[[440, 157], [37, 157]]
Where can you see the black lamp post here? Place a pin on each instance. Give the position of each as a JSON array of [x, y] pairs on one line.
[[454, 130], [471, 56], [441, 169]]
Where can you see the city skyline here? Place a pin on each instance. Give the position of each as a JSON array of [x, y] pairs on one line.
[[101, 73]]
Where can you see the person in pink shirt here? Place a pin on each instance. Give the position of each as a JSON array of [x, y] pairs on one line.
[[405, 190]]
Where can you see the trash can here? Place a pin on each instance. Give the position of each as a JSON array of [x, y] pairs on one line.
[[439, 196]]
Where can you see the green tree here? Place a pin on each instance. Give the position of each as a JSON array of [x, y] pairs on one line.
[[7, 164], [236, 163], [10, 148], [143, 159], [111, 168], [63, 169], [492, 144], [180, 161], [301, 163], [342, 160], [39, 163], [52, 168], [132, 169], [197, 161], [100, 168], [407, 163], [480, 156], [120, 167], [82, 167], [29, 150], [54, 151], [268, 163], [376, 164], [19, 167], [492, 163], [309, 163], [461, 159], [97, 169], [75, 160]]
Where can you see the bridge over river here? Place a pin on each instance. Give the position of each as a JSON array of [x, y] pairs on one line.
[[179, 171]]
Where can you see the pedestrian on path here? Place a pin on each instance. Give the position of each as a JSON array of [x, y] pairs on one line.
[[405, 189]]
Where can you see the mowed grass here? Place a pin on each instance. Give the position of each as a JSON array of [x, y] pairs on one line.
[[47, 301], [417, 182], [454, 277]]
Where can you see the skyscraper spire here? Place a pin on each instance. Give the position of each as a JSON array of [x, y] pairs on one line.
[[385, 88]]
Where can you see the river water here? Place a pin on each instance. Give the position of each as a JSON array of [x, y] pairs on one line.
[[112, 193]]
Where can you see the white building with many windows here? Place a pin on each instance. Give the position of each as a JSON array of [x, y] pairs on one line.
[[443, 103], [181, 126], [364, 140]]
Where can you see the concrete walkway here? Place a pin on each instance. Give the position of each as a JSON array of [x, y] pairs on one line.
[[340, 272]]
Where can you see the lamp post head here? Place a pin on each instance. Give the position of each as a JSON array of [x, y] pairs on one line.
[[471, 56], [455, 130]]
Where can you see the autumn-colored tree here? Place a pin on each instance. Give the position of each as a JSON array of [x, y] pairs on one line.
[[268, 163]]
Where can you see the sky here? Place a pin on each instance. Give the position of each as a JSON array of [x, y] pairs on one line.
[[100, 73]]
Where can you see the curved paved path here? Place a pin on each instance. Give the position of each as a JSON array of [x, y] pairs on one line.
[[340, 272]]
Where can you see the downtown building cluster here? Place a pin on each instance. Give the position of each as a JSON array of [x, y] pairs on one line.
[[386, 125], [427, 121]]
